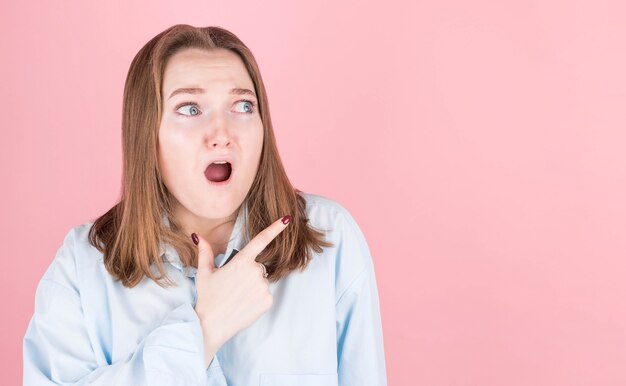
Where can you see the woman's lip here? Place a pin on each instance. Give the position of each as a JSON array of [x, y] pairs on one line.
[[225, 157], [222, 183]]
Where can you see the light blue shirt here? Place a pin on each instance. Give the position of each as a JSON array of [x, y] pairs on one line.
[[324, 327]]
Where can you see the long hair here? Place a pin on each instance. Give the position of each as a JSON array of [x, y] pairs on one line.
[[130, 234]]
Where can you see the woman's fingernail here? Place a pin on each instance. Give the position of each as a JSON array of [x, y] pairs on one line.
[[286, 219], [194, 238]]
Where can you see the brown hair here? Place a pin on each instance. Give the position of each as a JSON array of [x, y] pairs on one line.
[[130, 233]]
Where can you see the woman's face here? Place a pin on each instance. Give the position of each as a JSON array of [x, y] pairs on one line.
[[210, 113]]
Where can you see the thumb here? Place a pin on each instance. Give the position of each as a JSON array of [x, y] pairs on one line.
[[206, 260]]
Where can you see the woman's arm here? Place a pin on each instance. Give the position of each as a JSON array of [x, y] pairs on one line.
[[57, 348], [360, 349]]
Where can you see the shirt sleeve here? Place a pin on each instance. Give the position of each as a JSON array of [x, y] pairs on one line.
[[360, 349], [57, 349]]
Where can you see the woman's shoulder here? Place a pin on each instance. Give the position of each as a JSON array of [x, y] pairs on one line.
[[332, 215], [351, 252], [72, 256], [329, 213], [322, 210], [77, 238]]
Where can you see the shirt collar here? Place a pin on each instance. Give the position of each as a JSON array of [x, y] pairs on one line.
[[235, 244]]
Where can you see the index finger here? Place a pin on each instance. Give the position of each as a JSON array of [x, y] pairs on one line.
[[262, 240]]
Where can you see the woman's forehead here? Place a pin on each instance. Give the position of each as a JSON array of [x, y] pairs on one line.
[[206, 68]]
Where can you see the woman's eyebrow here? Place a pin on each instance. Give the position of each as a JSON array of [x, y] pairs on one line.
[[187, 90], [199, 90], [242, 91]]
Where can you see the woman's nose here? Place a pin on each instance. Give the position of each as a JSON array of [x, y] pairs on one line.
[[218, 133]]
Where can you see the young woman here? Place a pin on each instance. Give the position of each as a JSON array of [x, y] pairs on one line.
[[212, 269]]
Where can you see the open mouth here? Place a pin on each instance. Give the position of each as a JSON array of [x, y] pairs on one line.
[[218, 172]]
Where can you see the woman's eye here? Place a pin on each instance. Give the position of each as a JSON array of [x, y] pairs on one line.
[[247, 106], [188, 109]]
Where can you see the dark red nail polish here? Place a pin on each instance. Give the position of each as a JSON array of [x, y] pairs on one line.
[[194, 238], [286, 219]]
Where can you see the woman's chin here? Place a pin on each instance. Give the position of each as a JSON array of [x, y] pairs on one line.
[[224, 210]]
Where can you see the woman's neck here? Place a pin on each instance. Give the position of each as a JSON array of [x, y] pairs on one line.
[[215, 231]]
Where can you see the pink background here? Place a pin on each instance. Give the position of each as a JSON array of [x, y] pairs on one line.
[[480, 145]]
